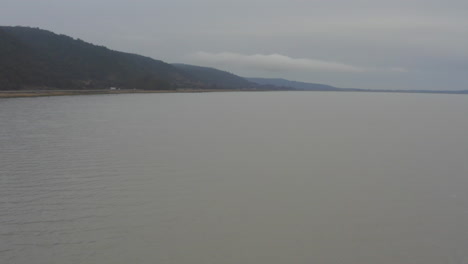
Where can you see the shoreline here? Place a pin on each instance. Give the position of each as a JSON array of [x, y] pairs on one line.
[[40, 93]]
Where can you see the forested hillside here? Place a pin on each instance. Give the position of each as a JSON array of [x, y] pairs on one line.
[[214, 77], [32, 58]]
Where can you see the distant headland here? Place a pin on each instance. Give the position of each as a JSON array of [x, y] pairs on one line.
[[37, 62]]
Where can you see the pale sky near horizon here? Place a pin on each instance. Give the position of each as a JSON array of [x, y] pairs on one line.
[[375, 44]]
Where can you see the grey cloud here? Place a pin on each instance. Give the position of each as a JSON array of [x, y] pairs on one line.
[[350, 43], [277, 62]]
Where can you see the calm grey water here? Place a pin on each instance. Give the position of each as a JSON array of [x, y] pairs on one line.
[[234, 178]]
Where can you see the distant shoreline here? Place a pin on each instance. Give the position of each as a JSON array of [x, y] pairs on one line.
[[40, 93]]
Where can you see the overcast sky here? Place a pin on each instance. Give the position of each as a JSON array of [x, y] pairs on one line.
[[379, 44]]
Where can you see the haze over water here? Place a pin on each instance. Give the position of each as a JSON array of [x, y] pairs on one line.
[[234, 178]]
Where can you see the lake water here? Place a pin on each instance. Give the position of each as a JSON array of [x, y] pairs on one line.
[[234, 178]]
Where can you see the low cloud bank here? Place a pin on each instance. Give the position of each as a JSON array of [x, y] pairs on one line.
[[278, 62]]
